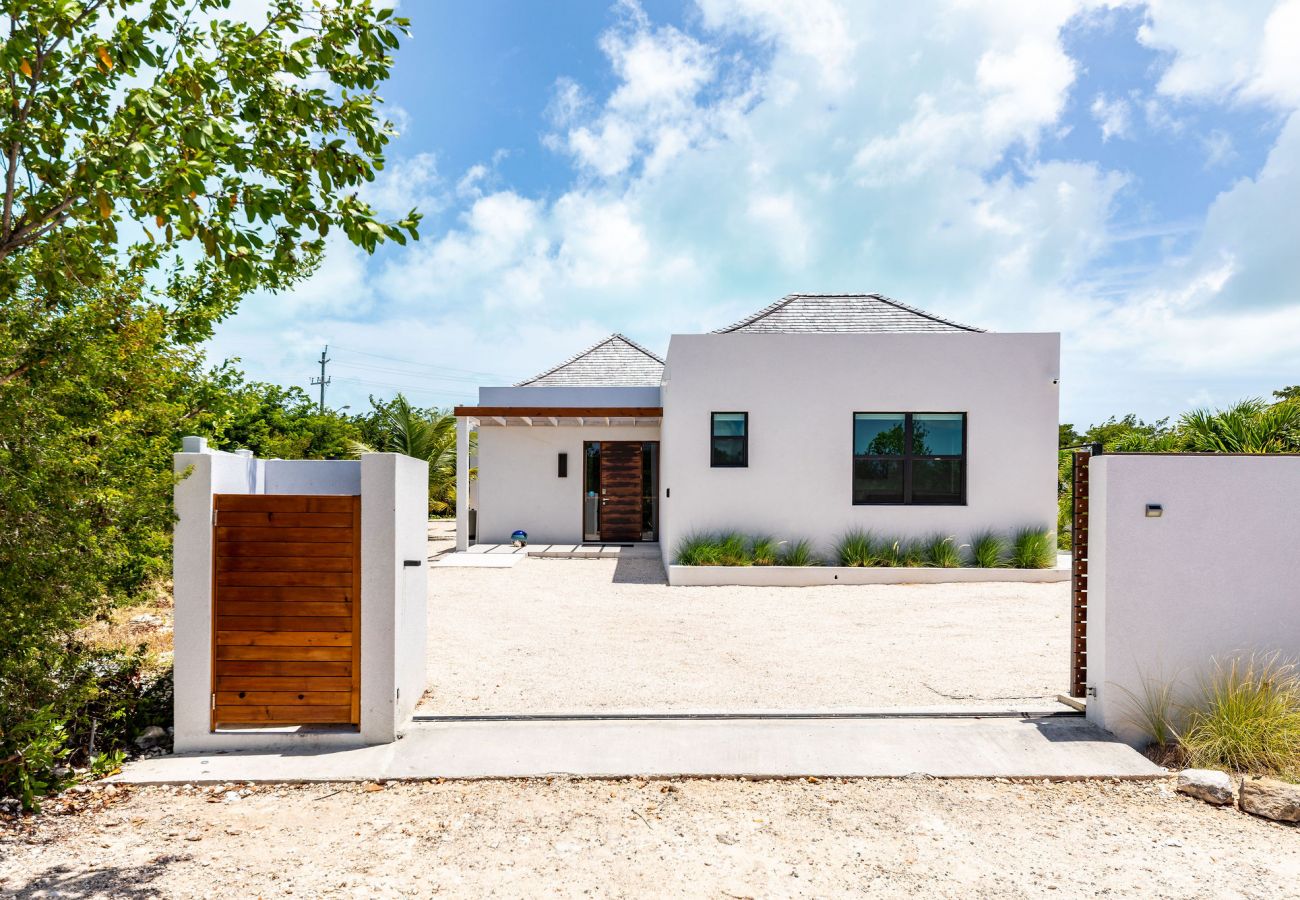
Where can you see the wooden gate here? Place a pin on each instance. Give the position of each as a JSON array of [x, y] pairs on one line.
[[620, 490], [286, 614], [1079, 572]]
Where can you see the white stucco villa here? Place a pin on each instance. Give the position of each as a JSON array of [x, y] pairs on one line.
[[819, 413]]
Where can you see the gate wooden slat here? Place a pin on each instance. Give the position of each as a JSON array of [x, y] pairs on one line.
[[286, 615], [299, 503], [284, 623], [276, 548], [266, 668], [286, 579], [284, 593]]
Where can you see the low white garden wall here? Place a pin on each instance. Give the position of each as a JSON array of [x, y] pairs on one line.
[[806, 576], [394, 525], [1217, 573]]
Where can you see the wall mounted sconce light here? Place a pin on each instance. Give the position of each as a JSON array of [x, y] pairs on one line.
[[1155, 510]]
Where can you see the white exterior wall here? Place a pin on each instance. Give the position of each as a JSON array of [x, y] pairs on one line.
[[801, 391], [394, 529], [518, 486], [394, 513], [1216, 574]]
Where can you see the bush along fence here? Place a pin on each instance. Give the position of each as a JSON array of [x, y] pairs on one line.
[[866, 557]]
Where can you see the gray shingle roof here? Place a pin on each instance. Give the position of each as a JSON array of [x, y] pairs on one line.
[[616, 361], [851, 313]]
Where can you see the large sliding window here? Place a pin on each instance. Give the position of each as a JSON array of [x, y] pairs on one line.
[[729, 440], [916, 458]]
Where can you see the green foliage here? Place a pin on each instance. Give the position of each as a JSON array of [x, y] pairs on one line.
[[277, 422], [1247, 718], [202, 130], [763, 551], [698, 550], [988, 550], [430, 435], [79, 711], [1033, 548], [1251, 426], [733, 548], [856, 548], [941, 551], [1153, 711], [798, 553]]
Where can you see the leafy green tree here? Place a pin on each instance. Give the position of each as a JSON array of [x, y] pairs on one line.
[[277, 422], [158, 161], [430, 435], [1251, 426], [193, 129]]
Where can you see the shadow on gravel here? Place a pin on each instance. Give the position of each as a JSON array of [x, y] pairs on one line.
[[639, 570], [132, 882]]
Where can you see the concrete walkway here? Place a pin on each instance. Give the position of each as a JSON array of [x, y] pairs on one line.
[[1058, 748]]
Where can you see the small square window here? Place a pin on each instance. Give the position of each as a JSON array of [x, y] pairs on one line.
[[729, 440]]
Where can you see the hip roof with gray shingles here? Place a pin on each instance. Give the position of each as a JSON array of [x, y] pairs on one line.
[[842, 313], [617, 361]]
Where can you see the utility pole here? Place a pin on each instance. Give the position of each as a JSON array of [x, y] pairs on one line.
[[322, 381]]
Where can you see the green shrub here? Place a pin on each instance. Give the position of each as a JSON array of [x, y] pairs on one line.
[[910, 554], [798, 553], [1032, 548], [733, 550], [1247, 718], [856, 548], [763, 551], [1153, 711], [988, 550], [941, 551], [698, 550]]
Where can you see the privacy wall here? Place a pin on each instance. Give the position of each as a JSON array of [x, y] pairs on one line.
[[1215, 573], [262, 630]]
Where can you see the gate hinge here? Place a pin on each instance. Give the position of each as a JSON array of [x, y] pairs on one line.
[[214, 517], [214, 700]]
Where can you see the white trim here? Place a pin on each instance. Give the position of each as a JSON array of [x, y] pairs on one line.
[[806, 576]]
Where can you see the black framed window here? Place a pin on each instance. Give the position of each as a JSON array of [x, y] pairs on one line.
[[915, 458], [729, 440]]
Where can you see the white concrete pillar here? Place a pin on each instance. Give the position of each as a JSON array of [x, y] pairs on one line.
[[463, 426]]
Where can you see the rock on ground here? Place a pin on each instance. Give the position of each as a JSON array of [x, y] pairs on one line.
[[1271, 799], [1208, 785]]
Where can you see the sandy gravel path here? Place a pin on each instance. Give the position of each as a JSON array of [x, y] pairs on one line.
[[663, 839], [584, 635]]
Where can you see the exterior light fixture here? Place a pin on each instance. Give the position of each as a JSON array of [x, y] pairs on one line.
[[1155, 510]]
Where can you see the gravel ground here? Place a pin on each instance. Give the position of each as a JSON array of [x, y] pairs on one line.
[[635, 839], [585, 635]]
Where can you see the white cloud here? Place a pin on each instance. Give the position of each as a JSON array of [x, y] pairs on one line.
[[1113, 115], [1228, 49]]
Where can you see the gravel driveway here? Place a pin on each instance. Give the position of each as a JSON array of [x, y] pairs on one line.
[[604, 635]]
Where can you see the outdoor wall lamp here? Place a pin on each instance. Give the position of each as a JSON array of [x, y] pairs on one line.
[[1155, 510]]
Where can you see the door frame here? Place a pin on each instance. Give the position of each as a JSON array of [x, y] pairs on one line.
[[582, 493]]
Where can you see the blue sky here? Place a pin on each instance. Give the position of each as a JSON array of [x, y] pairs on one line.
[[1126, 174]]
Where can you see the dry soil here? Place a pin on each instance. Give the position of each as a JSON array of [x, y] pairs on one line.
[[663, 839]]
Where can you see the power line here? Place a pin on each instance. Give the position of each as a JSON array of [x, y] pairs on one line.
[[412, 362], [391, 371]]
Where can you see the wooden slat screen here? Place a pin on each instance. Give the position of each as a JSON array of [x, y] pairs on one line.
[[286, 614], [1079, 574]]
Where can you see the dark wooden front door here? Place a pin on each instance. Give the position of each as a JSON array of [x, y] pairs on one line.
[[620, 490], [287, 636]]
